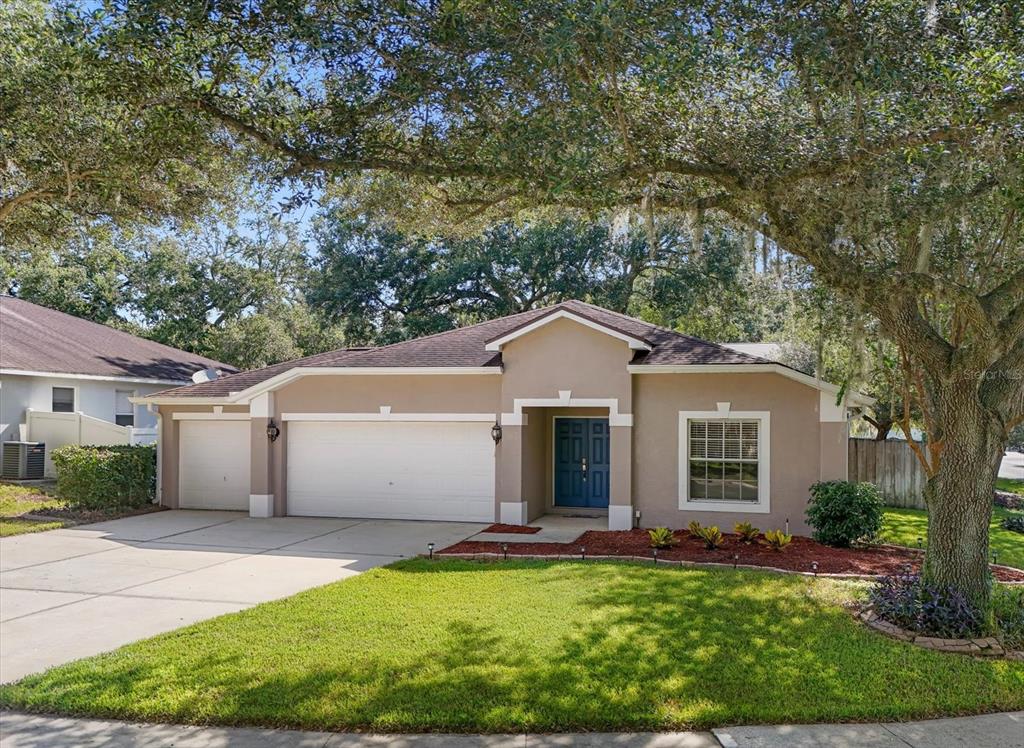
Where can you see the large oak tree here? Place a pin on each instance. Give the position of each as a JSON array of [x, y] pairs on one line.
[[881, 141]]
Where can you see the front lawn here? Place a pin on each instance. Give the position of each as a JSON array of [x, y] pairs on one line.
[[529, 645], [17, 500], [1010, 484], [905, 526]]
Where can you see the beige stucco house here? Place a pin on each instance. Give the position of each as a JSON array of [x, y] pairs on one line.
[[571, 408]]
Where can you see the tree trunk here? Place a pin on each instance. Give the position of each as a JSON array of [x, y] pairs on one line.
[[959, 493]]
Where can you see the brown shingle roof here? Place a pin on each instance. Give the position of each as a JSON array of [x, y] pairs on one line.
[[35, 338], [466, 347]]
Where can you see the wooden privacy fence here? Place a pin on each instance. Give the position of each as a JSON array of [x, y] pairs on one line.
[[892, 466]]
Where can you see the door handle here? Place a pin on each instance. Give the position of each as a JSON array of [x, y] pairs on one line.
[[583, 466]]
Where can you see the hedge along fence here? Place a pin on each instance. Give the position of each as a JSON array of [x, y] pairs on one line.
[[111, 477]]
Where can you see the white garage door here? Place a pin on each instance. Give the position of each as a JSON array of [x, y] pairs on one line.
[[440, 471], [213, 465]]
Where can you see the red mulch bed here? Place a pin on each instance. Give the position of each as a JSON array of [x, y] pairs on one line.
[[797, 556], [512, 529]]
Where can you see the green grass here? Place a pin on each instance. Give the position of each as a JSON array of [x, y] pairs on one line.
[[464, 646], [17, 500], [1010, 484], [905, 526]]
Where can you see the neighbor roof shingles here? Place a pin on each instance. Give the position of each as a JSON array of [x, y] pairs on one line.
[[466, 347], [38, 339]]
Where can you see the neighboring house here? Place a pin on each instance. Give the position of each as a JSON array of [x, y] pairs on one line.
[[571, 408], [68, 380], [770, 351]]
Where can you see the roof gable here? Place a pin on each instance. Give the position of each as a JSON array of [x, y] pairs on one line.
[[473, 347], [557, 313]]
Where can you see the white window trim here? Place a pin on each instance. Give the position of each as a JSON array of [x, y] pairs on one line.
[[634, 343], [763, 505]]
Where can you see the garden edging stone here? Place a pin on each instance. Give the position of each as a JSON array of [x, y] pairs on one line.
[[983, 646]]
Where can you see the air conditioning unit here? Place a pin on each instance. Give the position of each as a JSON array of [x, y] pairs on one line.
[[23, 460]]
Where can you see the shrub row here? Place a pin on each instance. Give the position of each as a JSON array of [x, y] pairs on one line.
[[106, 478]]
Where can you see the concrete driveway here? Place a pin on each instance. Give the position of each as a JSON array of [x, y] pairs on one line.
[[67, 594], [1012, 466]]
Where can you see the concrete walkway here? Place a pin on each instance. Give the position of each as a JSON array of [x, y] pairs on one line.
[[554, 528], [71, 593], [1012, 466], [987, 731]]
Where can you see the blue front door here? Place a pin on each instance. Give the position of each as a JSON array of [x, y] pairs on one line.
[[581, 462]]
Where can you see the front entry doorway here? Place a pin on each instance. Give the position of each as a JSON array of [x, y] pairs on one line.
[[581, 470]]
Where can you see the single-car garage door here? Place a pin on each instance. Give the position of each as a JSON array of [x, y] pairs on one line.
[[213, 464], [393, 470]]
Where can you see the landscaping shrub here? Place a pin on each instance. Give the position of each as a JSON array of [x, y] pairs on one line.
[[1008, 500], [777, 539], [662, 537], [1008, 612], [843, 513], [907, 601], [106, 478], [1014, 523], [694, 528], [747, 532], [711, 536]]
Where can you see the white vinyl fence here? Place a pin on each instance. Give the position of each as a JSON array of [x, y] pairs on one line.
[[57, 429]]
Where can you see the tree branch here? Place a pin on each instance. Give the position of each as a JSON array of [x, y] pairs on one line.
[[1011, 103]]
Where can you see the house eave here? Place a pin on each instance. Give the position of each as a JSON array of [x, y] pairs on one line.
[[280, 380], [852, 398], [92, 377]]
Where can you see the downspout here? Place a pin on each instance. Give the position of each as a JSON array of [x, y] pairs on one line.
[[159, 452]]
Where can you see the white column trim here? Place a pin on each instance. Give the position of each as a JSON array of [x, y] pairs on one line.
[[262, 406], [512, 513], [261, 505], [828, 411], [566, 400], [620, 516]]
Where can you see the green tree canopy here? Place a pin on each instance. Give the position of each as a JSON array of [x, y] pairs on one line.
[[87, 134]]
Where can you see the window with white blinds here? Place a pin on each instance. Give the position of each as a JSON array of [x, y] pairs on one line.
[[124, 411], [723, 459]]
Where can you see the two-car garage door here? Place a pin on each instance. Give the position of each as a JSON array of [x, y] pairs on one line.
[[395, 470]]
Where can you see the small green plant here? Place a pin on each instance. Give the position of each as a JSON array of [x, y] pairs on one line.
[[662, 537], [1008, 615], [1013, 523], [843, 513], [777, 539], [711, 536], [694, 528], [747, 532]]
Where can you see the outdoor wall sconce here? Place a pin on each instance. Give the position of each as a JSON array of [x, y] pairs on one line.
[[496, 432], [272, 431]]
